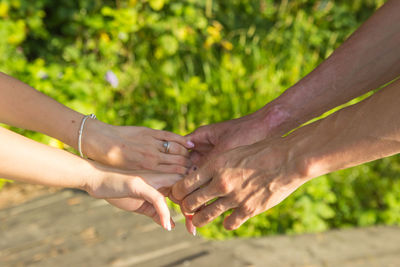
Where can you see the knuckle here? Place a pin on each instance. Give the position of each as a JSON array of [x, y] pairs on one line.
[[188, 204], [224, 186], [204, 217], [247, 210], [207, 216], [164, 134], [187, 183], [176, 192], [173, 148], [201, 129], [219, 207]]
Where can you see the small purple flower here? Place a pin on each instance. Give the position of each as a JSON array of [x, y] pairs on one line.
[[43, 75], [112, 79]]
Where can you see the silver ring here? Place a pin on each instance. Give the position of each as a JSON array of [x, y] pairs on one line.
[[166, 146]]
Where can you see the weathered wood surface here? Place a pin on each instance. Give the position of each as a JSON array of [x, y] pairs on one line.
[[71, 229]]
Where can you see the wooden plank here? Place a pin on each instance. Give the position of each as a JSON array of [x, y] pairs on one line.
[[72, 229], [71, 234]]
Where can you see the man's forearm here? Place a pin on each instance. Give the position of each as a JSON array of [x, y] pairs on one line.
[[360, 133], [369, 59], [22, 106]]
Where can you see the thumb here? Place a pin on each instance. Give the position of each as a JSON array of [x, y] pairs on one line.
[[202, 139]]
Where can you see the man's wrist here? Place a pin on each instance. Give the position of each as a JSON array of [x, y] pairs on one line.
[[305, 153], [276, 117]]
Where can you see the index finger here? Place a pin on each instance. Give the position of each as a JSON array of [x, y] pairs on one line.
[[192, 182]]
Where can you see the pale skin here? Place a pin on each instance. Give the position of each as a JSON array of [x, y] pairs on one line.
[[127, 147], [247, 166], [25, 160]]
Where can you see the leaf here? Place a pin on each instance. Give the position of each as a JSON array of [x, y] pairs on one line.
[[157, 4]]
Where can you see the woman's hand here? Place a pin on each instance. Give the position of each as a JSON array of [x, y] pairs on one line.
[[50, 166], [132, 148], [136, 192]]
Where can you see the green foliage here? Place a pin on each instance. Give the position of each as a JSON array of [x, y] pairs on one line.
[[3, 182], [181, 64]]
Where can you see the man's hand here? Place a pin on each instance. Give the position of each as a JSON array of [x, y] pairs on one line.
[[248, 179], [252, 179], [215, 138], [367, 60]]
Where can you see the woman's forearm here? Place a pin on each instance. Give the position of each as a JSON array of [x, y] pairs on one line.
[[369, 59], [122, 147], [24, 107], [360, 133], [25, 160]]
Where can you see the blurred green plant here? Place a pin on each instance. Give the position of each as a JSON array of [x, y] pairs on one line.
[[181, 64], [3, 182]]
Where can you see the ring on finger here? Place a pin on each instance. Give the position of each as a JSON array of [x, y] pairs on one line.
[[167, 146]]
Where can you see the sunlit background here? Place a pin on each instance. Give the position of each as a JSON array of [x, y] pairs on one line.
[[176, 65]]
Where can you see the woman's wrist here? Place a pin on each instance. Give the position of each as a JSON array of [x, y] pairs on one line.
[[95, 176], [94, 145], [89, 174]]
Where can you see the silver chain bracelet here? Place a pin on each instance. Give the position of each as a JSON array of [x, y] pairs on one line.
[[91, 116]]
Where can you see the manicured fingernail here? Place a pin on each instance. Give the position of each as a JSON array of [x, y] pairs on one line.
[[190, 144], [194, 232], [168, 226]]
